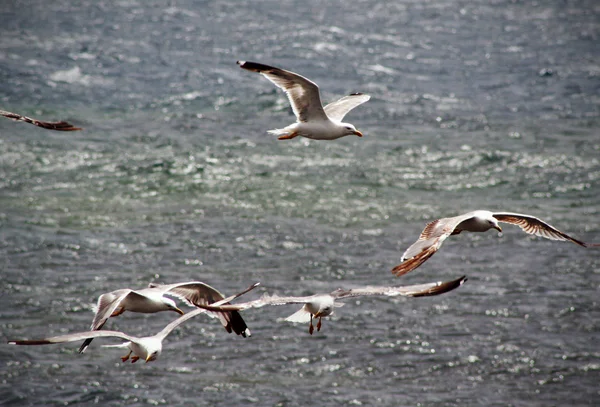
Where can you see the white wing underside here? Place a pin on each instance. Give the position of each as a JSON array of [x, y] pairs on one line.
[[339, 109]]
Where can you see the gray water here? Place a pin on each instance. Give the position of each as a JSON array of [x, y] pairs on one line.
[[486, 105]]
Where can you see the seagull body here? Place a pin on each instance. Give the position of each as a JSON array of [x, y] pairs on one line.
[[153, 299], [59, 126], [436, 232], [322, 305], [147, 348], [313, 120]]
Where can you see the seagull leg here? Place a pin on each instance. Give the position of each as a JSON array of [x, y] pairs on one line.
[[134, 359], [311, 328], [319, 325], [117, 312], [288, 136], [126, 357]]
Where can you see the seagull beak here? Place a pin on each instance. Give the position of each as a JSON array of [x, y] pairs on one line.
[[177, 310], [149, 358], [498, 228], [318, 314], [358, 133]]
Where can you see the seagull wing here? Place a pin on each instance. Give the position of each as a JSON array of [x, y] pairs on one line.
[[60, 126], [261, 302], [107, 304], [302, 93], [419, 290], [429, 242], [535, 226], [74, 337], [197, 292], [201, 310], [340, 108]]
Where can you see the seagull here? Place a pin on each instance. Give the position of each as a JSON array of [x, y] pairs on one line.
[[152, 299], [313, 121], [147, 348], [322, 305], [60, 126], [436, 232]]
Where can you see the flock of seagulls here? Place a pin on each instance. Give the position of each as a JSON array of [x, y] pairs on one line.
[[313, 121]]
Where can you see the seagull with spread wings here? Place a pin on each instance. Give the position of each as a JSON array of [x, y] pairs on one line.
[[313, 120], [436, 232], [147, 348], [153, 299], [59, 126], [322, 305]]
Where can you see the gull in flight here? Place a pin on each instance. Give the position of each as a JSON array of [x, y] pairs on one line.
[[313, 120], [147, 348], [152, 299], [436, 232], [60, 126], [321, 305]]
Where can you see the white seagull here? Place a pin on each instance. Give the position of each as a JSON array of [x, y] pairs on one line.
[[313, 120], [152, 299], [147, 348], [60, 126], [321, 305], [436, 232]]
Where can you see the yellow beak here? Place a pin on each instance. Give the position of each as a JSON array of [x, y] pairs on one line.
[[148, 358], [318, 315], [498, 228], [358, 133], [180, 312]]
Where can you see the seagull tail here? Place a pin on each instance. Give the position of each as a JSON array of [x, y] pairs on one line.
[[302, 316]]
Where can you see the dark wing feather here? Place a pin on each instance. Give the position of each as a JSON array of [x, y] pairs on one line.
[[535, 226], [59, 126]]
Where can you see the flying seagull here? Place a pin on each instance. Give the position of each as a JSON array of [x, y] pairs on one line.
[[147, 348], [152, 299], [436, 232], [321, 305], [313, 120], [60, 126]]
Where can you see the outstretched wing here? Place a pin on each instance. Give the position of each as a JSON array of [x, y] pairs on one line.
[[427, 244], [302, 93], [60, 126], [197, 292], [201, 310], [261, 302], [74, 337], [340, 108], [107, 304], [535, 226], [419, 290]]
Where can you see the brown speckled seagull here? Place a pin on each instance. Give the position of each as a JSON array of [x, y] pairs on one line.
[[436, 232], [59, 126]]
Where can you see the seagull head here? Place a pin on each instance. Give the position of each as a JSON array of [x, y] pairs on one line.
[[152, 356], [494, 224], [170, 304], [349, 130], [325, 308]]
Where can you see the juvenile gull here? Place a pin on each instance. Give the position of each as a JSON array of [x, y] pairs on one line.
[[436, 232], [60, 126], [152, 299], [147, 348], [321, 305], [313, 120]]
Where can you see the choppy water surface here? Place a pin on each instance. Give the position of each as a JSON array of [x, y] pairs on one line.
[[174, 178]]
